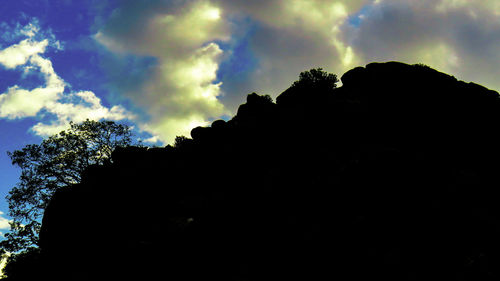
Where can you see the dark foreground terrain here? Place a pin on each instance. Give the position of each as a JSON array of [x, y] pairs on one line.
[[393, 176]]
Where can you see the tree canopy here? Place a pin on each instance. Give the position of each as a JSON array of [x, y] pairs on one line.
[[316, 78], [56, 162], [315, 82]]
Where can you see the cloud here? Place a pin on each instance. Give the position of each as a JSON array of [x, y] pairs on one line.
[[161, 29], [283, 38], [489, 6], [293, 36], [455, 36], [20, 103], [4, 222], [194, 41], [19, 54], [186, 38], [182, 91], [11, 33], [49, 101]]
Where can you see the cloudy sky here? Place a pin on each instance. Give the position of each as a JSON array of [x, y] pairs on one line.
[[166, 66]]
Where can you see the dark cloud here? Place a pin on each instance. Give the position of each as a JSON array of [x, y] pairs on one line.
[[461, 39]]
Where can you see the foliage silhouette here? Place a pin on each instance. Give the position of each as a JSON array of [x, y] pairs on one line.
[[26, 265], [314, 82], [316, 78], [181, 141], [390, 181], [56, 163]]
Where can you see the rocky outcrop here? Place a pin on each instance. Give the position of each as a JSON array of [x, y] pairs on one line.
[[392, 176]]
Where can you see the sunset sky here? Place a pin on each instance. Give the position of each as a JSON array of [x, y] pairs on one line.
[[166, 66]]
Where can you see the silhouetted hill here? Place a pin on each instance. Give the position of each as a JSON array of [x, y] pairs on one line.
[[392, 176]]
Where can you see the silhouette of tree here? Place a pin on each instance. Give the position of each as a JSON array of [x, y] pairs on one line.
[[26, 265], [316, 78], [315, 82], [181, 141], [55, 163]]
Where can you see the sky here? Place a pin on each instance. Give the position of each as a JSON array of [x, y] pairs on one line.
[[167, 66]]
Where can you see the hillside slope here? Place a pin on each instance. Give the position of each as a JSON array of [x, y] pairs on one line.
[[392, 176]]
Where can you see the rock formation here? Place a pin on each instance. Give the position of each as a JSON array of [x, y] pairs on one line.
[[392, 176]]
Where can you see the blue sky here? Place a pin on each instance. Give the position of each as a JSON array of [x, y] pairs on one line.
[[167, 66]]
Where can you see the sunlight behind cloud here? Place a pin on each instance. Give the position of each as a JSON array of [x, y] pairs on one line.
[[182, 90], [315, 13], [190, 94], [192, 28], [168, 128], [212, 13], [440, 56]]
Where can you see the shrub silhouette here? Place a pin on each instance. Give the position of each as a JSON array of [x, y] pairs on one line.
[[315, 83], [392, 180], [26, 265]]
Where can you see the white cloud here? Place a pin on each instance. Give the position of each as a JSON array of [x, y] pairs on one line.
[[30, 30], [21, 103], [4, 222], [182, 92], [19, 54], [49, 99]]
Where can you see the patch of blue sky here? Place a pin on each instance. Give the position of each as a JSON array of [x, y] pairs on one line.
[[10, 33], [15, 11], [82, 18], [79, 67], [7, 77], [241, 57], [240, 61], [10, 176], [65, 24], [115, 77], [111, 77], [24, 76], [14, 135], [356, 18], [76, 64], [224, 117], [125, 74], [66, 18]]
